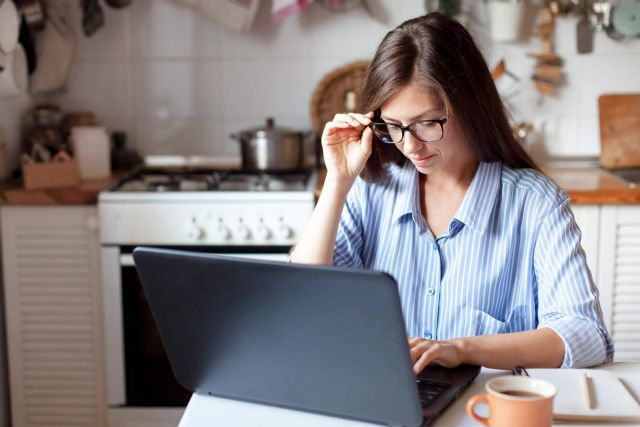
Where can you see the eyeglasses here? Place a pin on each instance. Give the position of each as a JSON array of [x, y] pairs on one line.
[[423, 130]]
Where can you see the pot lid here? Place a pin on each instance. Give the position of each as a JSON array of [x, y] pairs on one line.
[[270, 130]]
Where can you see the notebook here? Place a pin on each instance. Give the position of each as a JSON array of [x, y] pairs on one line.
[[612, 403]]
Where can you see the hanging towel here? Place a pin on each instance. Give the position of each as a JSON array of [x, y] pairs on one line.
[[55, 49], [281, 9]]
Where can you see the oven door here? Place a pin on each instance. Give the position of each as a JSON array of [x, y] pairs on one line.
[[138, 371]]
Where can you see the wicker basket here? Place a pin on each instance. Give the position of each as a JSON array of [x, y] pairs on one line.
[[338, 92]]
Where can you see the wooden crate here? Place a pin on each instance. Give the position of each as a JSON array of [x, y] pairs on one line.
[[37, 176]]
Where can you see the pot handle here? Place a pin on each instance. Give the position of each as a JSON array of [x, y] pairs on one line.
[[235, 136]]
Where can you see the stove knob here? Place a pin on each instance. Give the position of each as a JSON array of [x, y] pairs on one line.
[[262, 231], [195, 231], [242, 232], [222, 231], [283, 231]]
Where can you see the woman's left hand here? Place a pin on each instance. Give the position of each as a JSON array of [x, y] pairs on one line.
[[443, 353]]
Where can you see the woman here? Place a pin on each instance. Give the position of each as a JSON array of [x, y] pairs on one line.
[[431, 187]]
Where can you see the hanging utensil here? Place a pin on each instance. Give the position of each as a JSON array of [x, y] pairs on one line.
[[584, 29], [626, 19], [33, 13], [9, 26], [118, 4], [92, 17]]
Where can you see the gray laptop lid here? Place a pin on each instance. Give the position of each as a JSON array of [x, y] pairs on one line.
[[315, 338]]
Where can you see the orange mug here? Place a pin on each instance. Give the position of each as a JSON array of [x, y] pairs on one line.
[[515, 401]]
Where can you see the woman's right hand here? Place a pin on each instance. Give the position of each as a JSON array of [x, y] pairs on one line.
[[346, 145]]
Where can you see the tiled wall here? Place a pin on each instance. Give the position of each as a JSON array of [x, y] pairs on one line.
[[179, 84]]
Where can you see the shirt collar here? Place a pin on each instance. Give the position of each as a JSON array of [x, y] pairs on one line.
[[407, 195], [477, 205]]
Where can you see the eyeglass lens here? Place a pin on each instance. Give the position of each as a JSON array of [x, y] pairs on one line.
[[426, 131]]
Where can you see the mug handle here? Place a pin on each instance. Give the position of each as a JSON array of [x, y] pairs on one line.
[[478, 398]]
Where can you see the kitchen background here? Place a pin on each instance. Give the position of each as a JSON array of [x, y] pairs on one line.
[[178, 83]]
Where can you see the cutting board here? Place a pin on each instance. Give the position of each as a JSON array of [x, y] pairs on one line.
[[619, 130]]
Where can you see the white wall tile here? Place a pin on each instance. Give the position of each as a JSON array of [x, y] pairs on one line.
[[267, 40], [178, 89], [605, 44], [589, 136], [171, 76], [166, 29], [112, 41], [562, 134], [608, 74], [261, 88], [103, 87], [178, 136], [12, 111], [354, 34]]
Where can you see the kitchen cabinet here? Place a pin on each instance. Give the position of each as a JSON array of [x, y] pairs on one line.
[[611, 240], [53, 308], [619, 269]]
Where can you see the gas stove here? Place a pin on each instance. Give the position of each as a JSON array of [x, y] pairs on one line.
[[188, 205], [212, 180]]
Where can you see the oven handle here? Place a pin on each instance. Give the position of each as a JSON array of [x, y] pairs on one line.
[[126, 260]]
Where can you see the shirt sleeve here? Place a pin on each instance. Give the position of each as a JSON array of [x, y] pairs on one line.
[[347, 251], [567, 296]]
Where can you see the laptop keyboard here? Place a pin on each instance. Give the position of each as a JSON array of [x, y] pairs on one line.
[[429, 391]]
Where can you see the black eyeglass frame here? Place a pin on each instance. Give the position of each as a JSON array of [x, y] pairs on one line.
[[441, 122]]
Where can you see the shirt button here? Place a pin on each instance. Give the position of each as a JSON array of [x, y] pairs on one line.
[[431, 291], [435, 246], [428, 336]]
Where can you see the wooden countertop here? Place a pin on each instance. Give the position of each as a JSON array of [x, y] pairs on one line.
[[86, 193], [592, 185], [585, 183]]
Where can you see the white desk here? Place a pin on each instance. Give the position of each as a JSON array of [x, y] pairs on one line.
[[204, 411]]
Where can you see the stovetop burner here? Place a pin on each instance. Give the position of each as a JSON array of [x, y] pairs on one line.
[[213, 180]]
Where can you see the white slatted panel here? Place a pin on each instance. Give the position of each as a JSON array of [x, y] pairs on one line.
[[626, 286], [54, 318]]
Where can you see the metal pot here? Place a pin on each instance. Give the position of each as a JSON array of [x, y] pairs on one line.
[[271, 148]]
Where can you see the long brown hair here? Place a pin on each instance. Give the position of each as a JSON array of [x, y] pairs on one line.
[[440, 54]]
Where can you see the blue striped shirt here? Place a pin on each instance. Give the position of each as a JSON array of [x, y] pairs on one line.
[[510, 261]]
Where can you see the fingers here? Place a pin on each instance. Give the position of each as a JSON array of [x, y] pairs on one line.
[[362, 118], [418, 348], [424, 359], [332, 127], [354, 119], [414, 340], [348, 121], [366, 142]]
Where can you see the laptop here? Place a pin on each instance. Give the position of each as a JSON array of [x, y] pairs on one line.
[[321, 339]]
